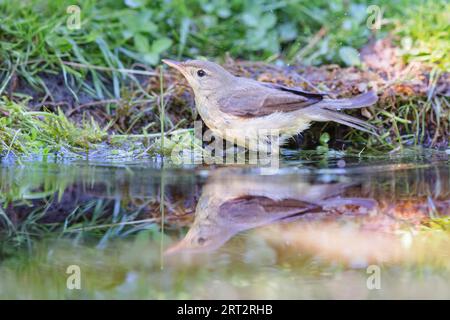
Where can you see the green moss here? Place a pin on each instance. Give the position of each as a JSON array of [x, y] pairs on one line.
[[25, 131]]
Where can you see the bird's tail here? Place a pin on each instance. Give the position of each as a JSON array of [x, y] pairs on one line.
[[327, 110], [360, 101]]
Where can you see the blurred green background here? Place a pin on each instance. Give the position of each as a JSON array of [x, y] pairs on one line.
[[118, 33]]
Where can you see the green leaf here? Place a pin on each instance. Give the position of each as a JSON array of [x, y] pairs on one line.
[[141, 43], [267, 21], [151, 58], [161, 45], [250, 19], [324, 139], [139, 22], [134, 3], [224, 13], [288, 31], [349, 56]]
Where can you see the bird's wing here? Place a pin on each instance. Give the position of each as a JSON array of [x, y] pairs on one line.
[[256, 99], [294, 90], [256, 209]]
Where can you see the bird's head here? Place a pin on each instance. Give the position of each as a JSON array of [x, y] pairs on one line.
[[201, 238], [203, 76]]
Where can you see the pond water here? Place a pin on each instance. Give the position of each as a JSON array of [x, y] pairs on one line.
[[318, 227]]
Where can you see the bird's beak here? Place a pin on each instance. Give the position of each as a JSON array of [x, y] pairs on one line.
[[174, 64]]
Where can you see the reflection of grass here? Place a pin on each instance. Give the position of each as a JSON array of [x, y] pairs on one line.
[[110, 202], [249, 267], [162, 203], [47, 200], [97, 218], [439, 224], [109, 223], [22, 185]]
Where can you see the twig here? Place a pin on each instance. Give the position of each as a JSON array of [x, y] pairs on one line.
[[314, 40], [161, 109], [53, 104], [89, 66], [151, 135], [12, 142], [112, 225], [8, 78], [91, 104]]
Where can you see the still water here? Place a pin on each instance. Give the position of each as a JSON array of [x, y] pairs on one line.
[[319, 227]]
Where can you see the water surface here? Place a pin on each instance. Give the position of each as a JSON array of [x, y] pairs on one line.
[[319, 227]]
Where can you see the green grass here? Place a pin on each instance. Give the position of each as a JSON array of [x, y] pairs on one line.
[[24, 131], [120, 43], [34, 36], [425, 34]]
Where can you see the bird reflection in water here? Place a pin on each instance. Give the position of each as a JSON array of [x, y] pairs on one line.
[[232, 202]]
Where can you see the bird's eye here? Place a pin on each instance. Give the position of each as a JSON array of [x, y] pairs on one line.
[[201, 241], [201, 73]]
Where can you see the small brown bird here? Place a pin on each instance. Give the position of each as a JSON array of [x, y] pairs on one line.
[[243, 110]]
